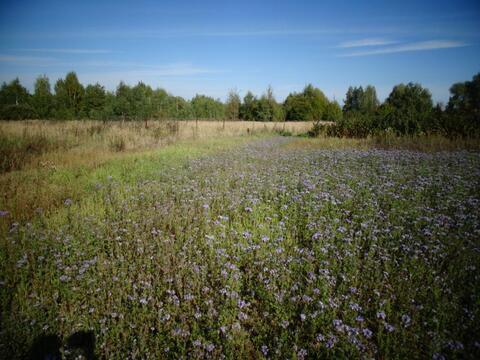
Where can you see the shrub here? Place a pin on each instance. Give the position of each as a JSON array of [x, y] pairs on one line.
[[16, 112]]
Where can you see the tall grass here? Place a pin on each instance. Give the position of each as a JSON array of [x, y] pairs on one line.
[[44, 162], [18, 150]]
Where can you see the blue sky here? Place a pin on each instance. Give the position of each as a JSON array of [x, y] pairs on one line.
[[210, 47]]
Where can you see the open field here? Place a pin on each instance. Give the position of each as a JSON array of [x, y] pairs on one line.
[[44, 162], [88, 137], [83, 140], [252, 247]]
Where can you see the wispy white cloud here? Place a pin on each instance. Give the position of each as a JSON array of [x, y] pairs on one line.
[[26, 60], [187, 32], [150, 74], [366, 42], [170, 76], [119, 69], [140, 69], [179, 69], [66, 51], [414, 46]]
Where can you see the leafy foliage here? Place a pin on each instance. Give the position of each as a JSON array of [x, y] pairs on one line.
[[205, 107], [463, 110], [15, 101], [69, 95], [232, 106], [42, 99], [309, 105], [408, 109]]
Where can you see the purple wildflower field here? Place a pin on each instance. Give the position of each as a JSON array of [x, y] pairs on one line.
[[263, 251]]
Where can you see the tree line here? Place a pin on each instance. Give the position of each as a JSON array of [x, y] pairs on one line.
[[408, 109], [71, 100]]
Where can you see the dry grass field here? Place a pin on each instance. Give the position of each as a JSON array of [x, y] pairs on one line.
[[64, 143], [44, 162]]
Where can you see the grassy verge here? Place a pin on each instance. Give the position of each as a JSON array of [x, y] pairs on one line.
[[46, 188]]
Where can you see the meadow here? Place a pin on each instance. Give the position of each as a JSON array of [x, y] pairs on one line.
[[44, 162], [212, 242]]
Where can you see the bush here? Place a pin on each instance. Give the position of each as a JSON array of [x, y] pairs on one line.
[[318, 129], [16, 112], [354, 124]]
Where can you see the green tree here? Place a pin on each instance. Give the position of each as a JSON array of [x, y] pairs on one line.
[[178, 108], [267, 108], [298, 108], [142, 102], [205, 107], [409, 108], [42, 99], [359, 100], [14, 93], [15, 101], [353, 99], [463, 109], [108, 111], [94, 101], [160, 104], [248, 108], [123, 107], [318, 101], [333, 111], [369, 101], [232, 106], [309, 105], [69, 94]]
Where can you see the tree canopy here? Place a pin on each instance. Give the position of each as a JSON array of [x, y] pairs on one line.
[[408, 109], [309, 105]]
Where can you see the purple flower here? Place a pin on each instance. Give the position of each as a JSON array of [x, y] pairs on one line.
[[338, 324], [455, 345], [355, 307], [389, 328], [264, 350], [381, 315], [197, 343], [210, 347], [367, 333], [302, 353], [332, 340], [406, 320]]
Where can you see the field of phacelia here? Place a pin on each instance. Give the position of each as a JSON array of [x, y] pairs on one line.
[[264, 251]]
